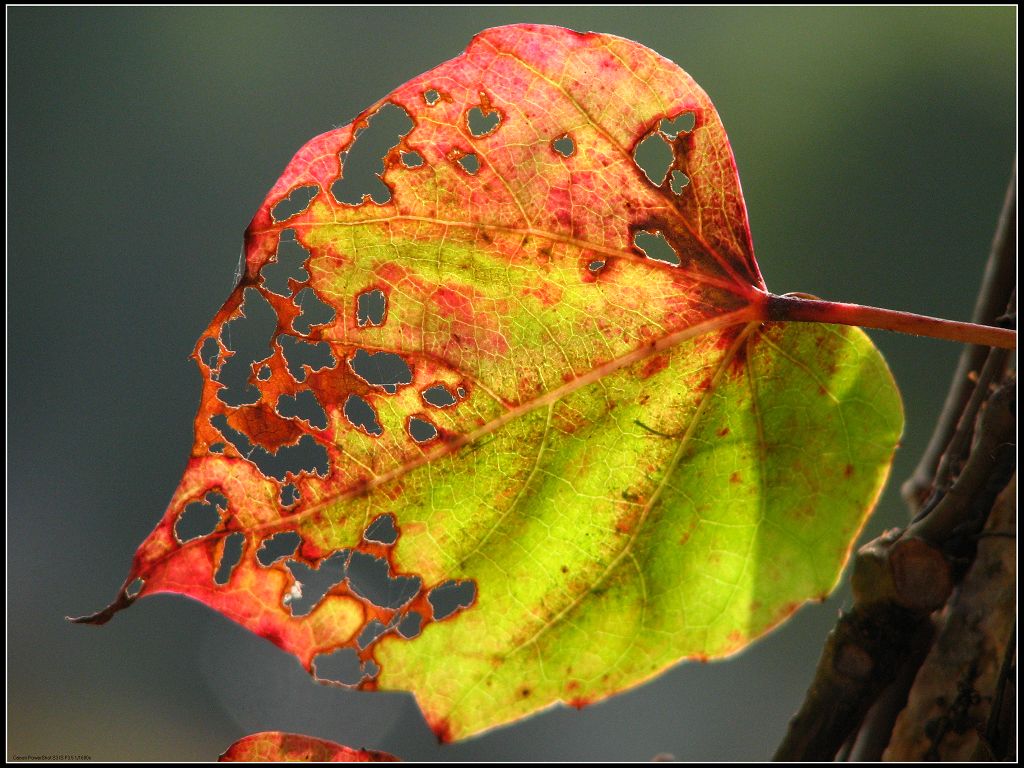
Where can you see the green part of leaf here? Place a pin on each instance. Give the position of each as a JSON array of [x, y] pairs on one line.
[[604, 553]]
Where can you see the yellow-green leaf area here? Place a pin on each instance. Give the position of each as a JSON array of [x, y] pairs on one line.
[[682, 522]]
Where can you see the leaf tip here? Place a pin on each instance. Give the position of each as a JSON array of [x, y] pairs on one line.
[[442, 730], [101, 617]]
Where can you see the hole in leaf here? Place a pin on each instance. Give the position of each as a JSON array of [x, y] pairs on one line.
[[362, 415], [230, 556], [564, 145], [314, 311], [307, 455], [382, 530], [341, 666], [303, 405], [296, 202], [370, 578], [679, 124], [363, 164], [438, 396], [371, 632], [410, 625], [289, 495], [249, 338], [287, 265], [312, 584], [277, 547], [217, 447], [451, 596], [421, 430], [470, 163], [381, 369], [595, 266], [656, 247], [264, 373], [134, 588], [654, 156], [370, 307], [412, 159], [200, 518], [370, 669], [431, 97], [297, 353], [460, 392], [482, 123], [209, 352], [678, 182]]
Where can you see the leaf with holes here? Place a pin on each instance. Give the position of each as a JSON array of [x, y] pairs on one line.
[[278, 747], [514, 427]]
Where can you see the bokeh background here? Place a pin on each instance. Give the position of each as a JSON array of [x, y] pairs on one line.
[[874, 147]]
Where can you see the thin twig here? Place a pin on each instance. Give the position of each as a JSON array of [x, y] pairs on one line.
[[871, 740], [956, 515], [1002, 716], [996, 288], [959, 443]]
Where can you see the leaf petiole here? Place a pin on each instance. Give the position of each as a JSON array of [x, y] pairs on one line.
[[800, 309]]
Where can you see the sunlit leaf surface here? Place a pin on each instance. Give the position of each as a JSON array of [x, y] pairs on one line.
[[502, 424]]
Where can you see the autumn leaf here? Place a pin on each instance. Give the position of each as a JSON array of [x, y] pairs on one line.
[[278, 747], [520, 430]]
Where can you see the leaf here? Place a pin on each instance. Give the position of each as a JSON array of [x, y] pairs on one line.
[[278, 747], [555, 446]]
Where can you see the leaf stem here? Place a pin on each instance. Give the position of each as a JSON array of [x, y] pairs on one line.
[[799, 309]]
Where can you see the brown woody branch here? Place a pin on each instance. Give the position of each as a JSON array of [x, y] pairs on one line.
[[954, 697]]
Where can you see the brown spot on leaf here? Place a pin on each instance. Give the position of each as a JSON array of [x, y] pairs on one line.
[[654, 365], [627, 522]]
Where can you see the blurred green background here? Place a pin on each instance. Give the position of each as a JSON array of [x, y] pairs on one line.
[[874, 147]]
